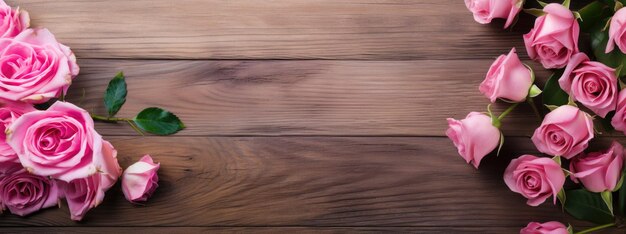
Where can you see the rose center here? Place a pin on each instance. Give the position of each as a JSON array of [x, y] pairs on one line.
[[592, 87]]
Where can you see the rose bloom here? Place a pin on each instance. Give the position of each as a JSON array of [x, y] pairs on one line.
[[508, 79], [552, 227], [599, 171], [9, 112], [474, 136], [60, 142], [566, 131], [24, 193], [591, 83], [554, 39], [12, 21], [34, 67], [86, 193], [619, 120], [486, 10], [140, 180], [534, 178], [617, 29]]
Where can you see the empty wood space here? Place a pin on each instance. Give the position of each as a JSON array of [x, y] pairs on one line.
[[303, 116]]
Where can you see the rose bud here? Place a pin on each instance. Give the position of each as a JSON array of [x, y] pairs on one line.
[[474, 137], [599, 171], [140, 180], [60, 142], [13, 21], [566, 131], [86, 193], [554, 39], [619, 119], [534, 178], [24, 193], [35, 67], [617, 29], [591, 83], [508, 79], [552, 227], [486, 10], [9, 112]]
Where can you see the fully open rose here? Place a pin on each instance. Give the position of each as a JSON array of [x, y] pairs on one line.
[[566, 131], [60, 142], [140, 180], [12, 21], [24, 193], [599, 171], [508, 78], [534, 178], [554, 39], [552, 227], [34, 67], [9, 112], [486, 10], [474, 136]]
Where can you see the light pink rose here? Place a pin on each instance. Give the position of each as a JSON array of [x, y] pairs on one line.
[[60, 142], [486, 10], [12, 21], [508, 79], [617, 29], [566, 131], [34, 67], [554, 39], [599, 171], [86, 193], [619, 119], [474, 136], [552, 227], [24, 193], [534, 178], [591, 83], [9, 112], [140, 180]]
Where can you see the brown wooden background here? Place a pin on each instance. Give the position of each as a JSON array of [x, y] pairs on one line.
[[302, 115]]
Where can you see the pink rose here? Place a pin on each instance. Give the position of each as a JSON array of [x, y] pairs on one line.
[[474, 137], [34, 67], [566, 131], [619, 120], [508, 79], [12, 21], [140, 180], [555, 37], [9, 112], [486, 10], [534, 178], [616, 31], [86, 193], [60, 142], [24, 193], [591, 83], [599, 171], [552, 227]]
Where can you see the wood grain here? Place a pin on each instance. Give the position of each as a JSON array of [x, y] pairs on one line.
[[261, 29], [299, 97], [313, 181]]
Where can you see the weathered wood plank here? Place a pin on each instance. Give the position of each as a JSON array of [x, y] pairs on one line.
[[313, 181], [259, 29], [299, 97]]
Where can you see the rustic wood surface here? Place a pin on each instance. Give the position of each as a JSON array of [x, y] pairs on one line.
[[303, 116]]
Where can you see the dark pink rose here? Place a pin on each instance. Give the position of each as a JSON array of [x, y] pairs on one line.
[[599, 171], [534, 178], [34, 67], [9, 112], [12, 21], [474, 136], [140, 180], [566, 131], [486, 10], [508, 78], [554, 39], [24, 193], [591, 83], [552, 227]]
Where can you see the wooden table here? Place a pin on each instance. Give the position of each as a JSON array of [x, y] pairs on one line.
[[302, 115]]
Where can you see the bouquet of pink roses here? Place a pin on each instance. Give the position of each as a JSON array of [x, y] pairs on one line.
[[582, 98], [49, 148]]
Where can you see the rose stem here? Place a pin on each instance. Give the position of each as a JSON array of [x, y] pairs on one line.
[[593, 229], [531, 102], [507, 111]]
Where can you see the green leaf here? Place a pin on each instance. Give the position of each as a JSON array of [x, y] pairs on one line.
[[562, 197], [585, 205], [553, 95], [607, 197], [115, 95], [557, 159], [501, 144], [534, 11], [592, 14], [158, 121], [566, 3], [534, 91], [570, 229], [599, 40], [618, 5]]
